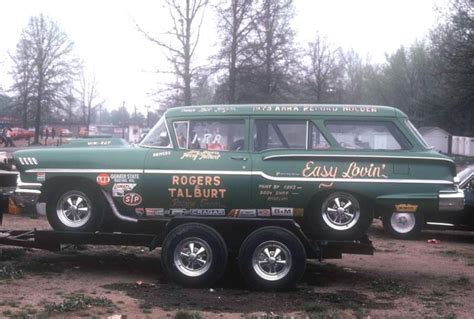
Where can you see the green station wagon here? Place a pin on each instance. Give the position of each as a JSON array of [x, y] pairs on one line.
[[332, 168]]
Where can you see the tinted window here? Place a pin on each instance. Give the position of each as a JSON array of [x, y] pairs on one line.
[[225, 135], [367, 135], [287, 134]]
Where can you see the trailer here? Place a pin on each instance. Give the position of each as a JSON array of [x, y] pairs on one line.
[[271, 254]]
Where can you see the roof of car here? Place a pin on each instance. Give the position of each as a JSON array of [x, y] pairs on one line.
[[286, 109]]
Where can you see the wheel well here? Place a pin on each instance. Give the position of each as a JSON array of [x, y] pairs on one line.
[[366, 201], [57, 182]]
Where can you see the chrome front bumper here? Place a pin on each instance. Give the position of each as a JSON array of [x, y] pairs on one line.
[[451, 201]]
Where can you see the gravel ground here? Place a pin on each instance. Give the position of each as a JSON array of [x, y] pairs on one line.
[[403, 279]]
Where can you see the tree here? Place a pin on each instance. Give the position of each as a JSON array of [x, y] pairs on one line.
[[324, 70], [89, 96], [181, 42], [23, 83], [235, 25], [47, 50], [453, 51]]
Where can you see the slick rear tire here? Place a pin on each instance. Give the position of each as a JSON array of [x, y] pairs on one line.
[[402, 225], [272, 258], [75, 208], [194, 255], [340, 215]]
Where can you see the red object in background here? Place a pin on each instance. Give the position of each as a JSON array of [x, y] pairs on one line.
[[18, 133]]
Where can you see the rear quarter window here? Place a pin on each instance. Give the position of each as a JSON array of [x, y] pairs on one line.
[[367, 135]]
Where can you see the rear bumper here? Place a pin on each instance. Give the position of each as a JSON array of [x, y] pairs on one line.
[[451, 201]]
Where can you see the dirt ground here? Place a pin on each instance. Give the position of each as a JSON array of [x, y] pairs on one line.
[[403, 279]]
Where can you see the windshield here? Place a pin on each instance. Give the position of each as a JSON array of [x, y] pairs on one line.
[[419, 137], [158, 136]]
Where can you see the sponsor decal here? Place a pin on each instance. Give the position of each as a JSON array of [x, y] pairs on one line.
[[247, 213], [282, 211], [298, 212], [263, 212], [328, 108], [103, 179], [118, 193], [177, 211], [132, 199], [207, 212], [155, 211], [139, 211], [354, 170], [160, 154], [407, 208], [201, 155], [40, 177], [200, 186], [126, 187], [124, 178]]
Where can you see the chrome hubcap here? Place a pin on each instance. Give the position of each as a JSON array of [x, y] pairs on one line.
[[403, 222], [74, 209], [271, 260], [193, 257], [340, 212]]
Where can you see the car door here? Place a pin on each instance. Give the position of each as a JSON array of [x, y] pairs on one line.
[[279, 158], [207, 172]]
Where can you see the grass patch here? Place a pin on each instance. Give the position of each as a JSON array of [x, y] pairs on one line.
[[75, 302], [187, 315], [390, 286], [8, 272], [314, 308]]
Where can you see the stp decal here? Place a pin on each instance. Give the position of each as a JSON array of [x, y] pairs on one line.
[[132, 199], [103, 179]]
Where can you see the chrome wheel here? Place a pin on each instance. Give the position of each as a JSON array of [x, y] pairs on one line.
[[340, 211], [74, 209], [193, 257], [403, 222], [271, 260]]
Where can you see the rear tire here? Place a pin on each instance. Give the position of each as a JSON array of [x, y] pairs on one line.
[[194, 255], [75, 208], [402, 225], [340, 215], [272, 258]]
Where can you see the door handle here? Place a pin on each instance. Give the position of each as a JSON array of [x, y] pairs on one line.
[[239, 158]]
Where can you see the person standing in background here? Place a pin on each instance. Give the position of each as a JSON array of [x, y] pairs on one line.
[[53, 133], [46, 135]]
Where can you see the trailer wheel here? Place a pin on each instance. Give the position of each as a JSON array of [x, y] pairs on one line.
[[76, 208], [403, 225], [194, 255], [272, 258], [340, 215]]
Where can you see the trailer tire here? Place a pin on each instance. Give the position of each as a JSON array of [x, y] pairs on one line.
[[402, 225], [272, 258], [182, 248], [75, 208], [331, 219]]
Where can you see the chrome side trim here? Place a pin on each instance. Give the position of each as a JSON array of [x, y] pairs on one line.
[[440, 224], [185, 171], [356, 156], [82, 170], [451, 201], [115, 210], [28, 191]]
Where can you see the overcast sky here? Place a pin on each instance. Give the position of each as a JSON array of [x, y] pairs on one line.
[[107, 41]]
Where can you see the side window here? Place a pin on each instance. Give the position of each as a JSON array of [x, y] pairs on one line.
[[287, 134], [368, 135], [181, 133], [220, 135], [158, 136]]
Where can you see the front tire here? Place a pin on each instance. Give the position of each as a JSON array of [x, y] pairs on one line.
[[194, 255], [340, 215], [272, 258], [403, 225], [77, 208]]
